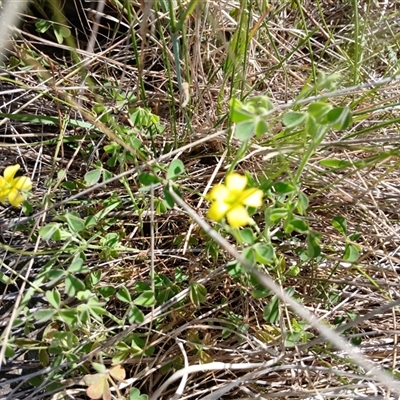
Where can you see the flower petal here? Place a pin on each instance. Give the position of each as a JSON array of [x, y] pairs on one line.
[[236, 182], [252, 197], [237, 217], [3, 195], [218, 192], [4, 190], [22, 183], [217, 210], [10, 171], [15, 198]]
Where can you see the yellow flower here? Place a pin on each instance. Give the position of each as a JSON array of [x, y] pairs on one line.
[[10, 187], [231, 200]]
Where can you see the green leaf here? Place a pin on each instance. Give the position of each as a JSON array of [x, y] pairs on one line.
[[84, 295], [248, 254], [106, 291], [75, 223], [9, 351], [264, 253], [146, 299], [142, 287], [175, 169], [73, 285], [96, 307], [247, 236], [284, 187], [355, 236], [260, 293], [262, 103], [135, 316], [47, 120], [5, 279], [99, 367], [313, 247], [312, 128], [340, 118], [77, 266], [293, 270], [277, 214], [327, 81], [44, 357], [356, 341], [234, 268], [245, 130], [124, 295], [44, 315], [50, 231], [169, 200], [295, 224], [147, 179], [351, 253], [293, 337], [238, 116], [237, 112], [54, 298], [197, 293], [271, 311], [261, 127], [120, 356], [92, 177], [94, 277], [319, 110], [42, 26], [55, 275], [134, 394], [61, 32], [293, 119], [302, 204], [68, 316], [36, 381], [340, 224]]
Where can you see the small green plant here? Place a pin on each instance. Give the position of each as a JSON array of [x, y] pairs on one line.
[[298, 333], [60, 31]]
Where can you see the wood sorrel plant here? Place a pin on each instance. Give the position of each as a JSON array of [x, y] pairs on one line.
[[287, 204]]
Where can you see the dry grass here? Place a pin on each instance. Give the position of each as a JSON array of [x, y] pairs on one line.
[[290, 42]]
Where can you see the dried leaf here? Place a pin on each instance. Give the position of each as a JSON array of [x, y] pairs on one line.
[[118, 372], [99, 389]]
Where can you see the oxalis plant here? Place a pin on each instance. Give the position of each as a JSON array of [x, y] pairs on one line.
[[250, 210], [285, 210]]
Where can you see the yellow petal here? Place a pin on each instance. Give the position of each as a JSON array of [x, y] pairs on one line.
[[236, 182], [22, 183], [237, 217], [3, 195], [4, 190], [217, 210], [15, 198], [10, 171], [218, 192], [252, 197]]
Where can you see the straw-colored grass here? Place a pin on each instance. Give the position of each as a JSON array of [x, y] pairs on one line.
[[97, 118]]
